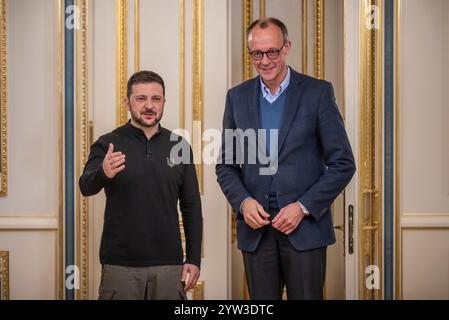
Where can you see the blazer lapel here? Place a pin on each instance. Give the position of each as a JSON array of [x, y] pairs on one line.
[[294, 92]]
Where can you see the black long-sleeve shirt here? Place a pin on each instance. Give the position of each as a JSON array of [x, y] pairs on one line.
[[141, 226]]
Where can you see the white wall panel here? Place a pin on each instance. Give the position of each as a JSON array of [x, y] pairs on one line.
[[424, 106], [424, 143], [214, 270], [32, 120], [32, 263], [289, 12], [159, 51], [425, 264]]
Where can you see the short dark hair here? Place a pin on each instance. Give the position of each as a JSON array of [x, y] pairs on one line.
[[144, 76], [265, 22]]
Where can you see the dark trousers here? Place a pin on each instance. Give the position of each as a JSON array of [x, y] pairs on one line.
[[276, 263]]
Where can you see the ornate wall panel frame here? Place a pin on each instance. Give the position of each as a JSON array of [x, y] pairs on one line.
[[3, 98], [370, 146], [182, 64], [198, 89], [72, 75], [247, 9], [304, 36], [82, 145], [319, 39], [136, 35], [262, 6], [4, 275], [121, 37]]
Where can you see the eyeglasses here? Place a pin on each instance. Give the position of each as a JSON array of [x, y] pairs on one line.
[[271, 54]]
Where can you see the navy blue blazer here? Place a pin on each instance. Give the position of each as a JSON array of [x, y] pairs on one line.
[[315, 160]]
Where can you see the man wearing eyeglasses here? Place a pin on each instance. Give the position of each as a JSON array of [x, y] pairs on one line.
[[284, 221]]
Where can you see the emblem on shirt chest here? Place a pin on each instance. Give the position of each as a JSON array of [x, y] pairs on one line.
[[171, 162]]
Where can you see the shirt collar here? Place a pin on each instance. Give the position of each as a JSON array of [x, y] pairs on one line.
[[140, 132], [266, 93]]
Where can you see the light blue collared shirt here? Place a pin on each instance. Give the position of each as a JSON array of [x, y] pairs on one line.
[[266, 93]]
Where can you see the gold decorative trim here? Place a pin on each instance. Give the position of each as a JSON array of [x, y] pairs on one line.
[[319, 39], [304, 30], [182, 64], [397, 146], [197, 90], [262, 13], [4, 275], [121, 59], [3, 98], [423, 228], [370, 146], [136, 35], [82, 121], [247, 9], [60, 265], [197, 291]]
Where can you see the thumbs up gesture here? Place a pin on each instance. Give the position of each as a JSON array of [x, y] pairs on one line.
[[113, 162]]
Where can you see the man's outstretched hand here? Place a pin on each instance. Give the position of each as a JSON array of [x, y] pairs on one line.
[[113, 162]]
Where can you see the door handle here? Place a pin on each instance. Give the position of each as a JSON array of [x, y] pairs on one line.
[[340, 227], [351, 229], [370, 227]]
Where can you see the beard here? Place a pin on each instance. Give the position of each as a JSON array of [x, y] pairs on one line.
[[138, 118]]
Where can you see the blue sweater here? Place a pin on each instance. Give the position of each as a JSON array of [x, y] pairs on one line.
[[271, 117]]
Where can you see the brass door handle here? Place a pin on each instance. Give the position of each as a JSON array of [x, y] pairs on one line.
[[340, 227], [370, 227]]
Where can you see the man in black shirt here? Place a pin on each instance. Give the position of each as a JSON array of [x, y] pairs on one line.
[[141, 251]]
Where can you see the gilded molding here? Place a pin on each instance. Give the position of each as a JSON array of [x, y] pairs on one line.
[[247, 9], [370, 148], [4, 273], [3, 99], [319, 39], [82, 231], [136, 35], [121, 59], [262, 6], [197, 291], [182, 64], [197, 90], [305, 36]]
